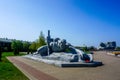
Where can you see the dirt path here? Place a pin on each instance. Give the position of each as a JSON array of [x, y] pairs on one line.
[[109, 71]]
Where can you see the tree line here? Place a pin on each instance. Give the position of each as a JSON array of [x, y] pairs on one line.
[[19, 46]]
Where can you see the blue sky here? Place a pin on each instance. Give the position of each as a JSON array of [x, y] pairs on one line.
[[80, 22]]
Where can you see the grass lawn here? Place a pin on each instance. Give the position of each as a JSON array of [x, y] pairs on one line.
[[8, 71]]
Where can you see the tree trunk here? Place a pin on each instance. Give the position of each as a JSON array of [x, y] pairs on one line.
[[0, 54]]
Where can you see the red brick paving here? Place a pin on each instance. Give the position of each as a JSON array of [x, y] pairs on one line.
[[32, 71]]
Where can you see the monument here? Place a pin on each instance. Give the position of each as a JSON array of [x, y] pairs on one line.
[[61, 53]]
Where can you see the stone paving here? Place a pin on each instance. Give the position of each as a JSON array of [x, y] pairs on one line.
[[36, 70], [30, 72]]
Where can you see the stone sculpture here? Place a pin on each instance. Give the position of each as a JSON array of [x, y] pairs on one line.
[[61, 53], [62, 50]]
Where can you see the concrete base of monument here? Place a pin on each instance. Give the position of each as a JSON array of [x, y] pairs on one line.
[[80, 64], [64, 63]]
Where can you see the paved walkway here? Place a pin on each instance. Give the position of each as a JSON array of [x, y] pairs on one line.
[[29, 71], [36, 70]]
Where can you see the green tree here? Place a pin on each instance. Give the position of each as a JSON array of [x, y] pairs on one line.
[[118, 48], [14, 47], [26, 46], [38, 43], [41, 41], [85, 49], [17, 46], [32, 47], [92, 48]]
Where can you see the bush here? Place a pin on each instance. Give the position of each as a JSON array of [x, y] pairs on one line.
[[118, 48]]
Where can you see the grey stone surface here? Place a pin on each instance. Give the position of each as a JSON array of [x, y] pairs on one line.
[[58, 51]]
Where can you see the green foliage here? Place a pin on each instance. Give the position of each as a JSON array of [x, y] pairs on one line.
[[85, 49], [17, 46], [38, 43], [118, 48], [41, 41], [14, 45], [32, 47], [26, 46], [78, 47], [92, 48], [8, 71]]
